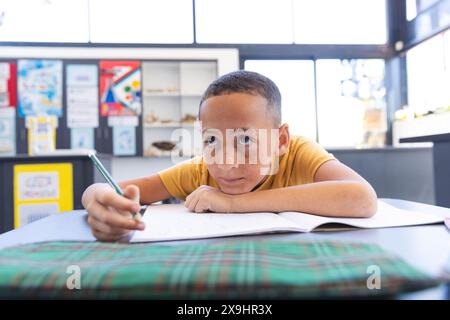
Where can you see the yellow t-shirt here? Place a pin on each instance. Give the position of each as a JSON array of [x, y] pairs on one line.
[[297, 166]]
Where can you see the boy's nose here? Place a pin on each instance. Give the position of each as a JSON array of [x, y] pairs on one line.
[[228, 167], [230, 160]]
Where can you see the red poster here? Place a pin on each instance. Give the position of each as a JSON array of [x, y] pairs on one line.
[[8, 84], [120, 88]]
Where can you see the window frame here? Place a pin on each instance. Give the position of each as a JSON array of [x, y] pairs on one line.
[[401, 36]]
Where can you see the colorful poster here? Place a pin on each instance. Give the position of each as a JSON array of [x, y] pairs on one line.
[[41, 190], [120, 88], [124, 141], [40, 87], [82, 138], [7, 131], [8, 85], [82, 96], [41, 134]]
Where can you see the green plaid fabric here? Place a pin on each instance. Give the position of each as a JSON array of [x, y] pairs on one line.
[[222, 270]]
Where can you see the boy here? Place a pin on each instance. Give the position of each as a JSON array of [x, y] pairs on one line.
[[298, 176]]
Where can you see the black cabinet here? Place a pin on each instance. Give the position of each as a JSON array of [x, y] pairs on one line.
[[441, 162]]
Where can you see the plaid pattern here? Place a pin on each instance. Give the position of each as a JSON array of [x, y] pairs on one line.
[[238, 269]]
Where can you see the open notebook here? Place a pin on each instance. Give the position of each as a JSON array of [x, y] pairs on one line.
[[175, 222]]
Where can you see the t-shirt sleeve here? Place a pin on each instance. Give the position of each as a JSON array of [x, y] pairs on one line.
[[183, 178], [308, 158]]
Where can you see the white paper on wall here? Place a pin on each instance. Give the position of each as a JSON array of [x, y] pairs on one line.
[[38, 185]]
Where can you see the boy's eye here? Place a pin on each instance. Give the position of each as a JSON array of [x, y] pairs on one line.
[[244, 139], [211, 140]]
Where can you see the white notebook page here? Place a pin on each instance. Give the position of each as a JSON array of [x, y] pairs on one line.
[[175, 222]]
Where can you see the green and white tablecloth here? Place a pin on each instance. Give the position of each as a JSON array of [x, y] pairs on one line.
[[211, 270]]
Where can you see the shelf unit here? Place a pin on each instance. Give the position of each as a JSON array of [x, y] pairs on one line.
[[172, 91]]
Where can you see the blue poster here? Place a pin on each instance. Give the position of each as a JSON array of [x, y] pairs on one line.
[[39, 88], [124, 141], [82, 138]]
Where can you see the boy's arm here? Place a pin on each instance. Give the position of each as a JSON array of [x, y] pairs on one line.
[[337, 191], [151, 188]]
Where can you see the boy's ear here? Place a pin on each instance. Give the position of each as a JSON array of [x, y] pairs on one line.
[[283, 138]]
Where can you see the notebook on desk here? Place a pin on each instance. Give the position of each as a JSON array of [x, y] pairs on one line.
[[175, 222]]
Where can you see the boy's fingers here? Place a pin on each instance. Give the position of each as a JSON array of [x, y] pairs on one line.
[[201, 206], [193, 204], [115, 219], [106, 229], [97, 224], [124, 213], [188, 200], [190, 197], [132, 192], [117, 201], [104, 237]]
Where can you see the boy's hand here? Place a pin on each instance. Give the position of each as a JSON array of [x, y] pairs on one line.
[[206, 198], [110, 215]]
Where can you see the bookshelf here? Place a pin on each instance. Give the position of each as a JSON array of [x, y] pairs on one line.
[[172, 91]]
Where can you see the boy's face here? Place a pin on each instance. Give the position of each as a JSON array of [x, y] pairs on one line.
[[239, 140]]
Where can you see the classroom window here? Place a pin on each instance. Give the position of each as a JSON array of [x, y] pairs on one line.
[[295, 79], [447, 53], [351, 102], [217, 21], [141, 21], [250, 21], [340, 22], [411, 9], [422, 5], [416, 7], [428, 74], [44, 21]]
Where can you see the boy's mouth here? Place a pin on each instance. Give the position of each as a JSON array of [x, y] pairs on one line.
[[230, 181]]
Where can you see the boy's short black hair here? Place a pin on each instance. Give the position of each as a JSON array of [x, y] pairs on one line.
[[243, 81]]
